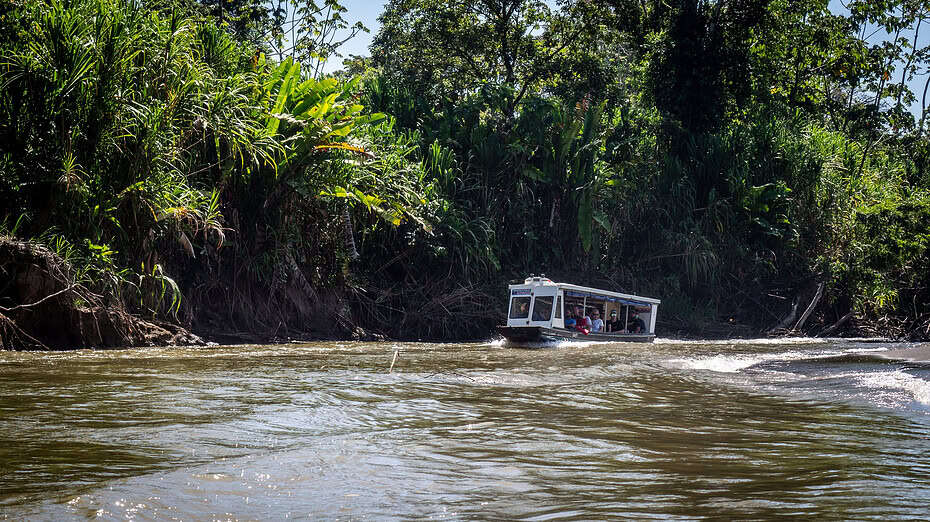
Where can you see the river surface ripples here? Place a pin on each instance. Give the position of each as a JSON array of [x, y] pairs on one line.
[[724, 430]]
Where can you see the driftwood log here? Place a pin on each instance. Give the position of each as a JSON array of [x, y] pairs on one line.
[[783, 325], [788, 325], [807, 313], [837, 325]]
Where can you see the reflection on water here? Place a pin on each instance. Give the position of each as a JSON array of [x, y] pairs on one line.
[[326, 430]]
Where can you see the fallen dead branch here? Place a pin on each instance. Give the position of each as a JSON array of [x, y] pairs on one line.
[[37, 303]]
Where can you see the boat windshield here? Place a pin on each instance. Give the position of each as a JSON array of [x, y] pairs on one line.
[[542, 310], [520, 307]]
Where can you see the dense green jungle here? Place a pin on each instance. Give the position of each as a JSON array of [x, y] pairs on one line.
[[169, 167]]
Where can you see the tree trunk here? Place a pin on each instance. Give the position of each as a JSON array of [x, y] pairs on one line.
[[837, 325], [810, 307], [349, 238], [783, 325]]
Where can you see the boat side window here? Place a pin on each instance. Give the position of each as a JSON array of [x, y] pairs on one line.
[[520, 308], [558, 307], [542, 310]]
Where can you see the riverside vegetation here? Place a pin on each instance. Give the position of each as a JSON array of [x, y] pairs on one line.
[[173, 166]]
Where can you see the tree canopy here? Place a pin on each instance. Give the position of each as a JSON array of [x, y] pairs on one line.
[[739, 158]]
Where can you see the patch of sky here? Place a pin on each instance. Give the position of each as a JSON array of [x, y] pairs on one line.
[[368, 11], [877, 35]]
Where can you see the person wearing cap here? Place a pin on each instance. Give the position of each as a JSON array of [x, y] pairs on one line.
[[614, 324]]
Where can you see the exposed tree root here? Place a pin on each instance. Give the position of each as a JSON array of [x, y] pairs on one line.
[[41, 307], [13, 337], [433, 309]]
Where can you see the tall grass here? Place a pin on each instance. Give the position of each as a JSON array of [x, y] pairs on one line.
[[143, 142]]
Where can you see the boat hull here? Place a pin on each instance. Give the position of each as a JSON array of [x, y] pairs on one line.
[[542, 334]]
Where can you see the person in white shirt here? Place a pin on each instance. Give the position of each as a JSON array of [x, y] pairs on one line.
[[597, 325]]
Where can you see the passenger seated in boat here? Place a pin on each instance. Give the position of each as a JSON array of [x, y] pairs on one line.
[[613, 324], [569, 318], [597, 325], [583, 320], [638, 326]]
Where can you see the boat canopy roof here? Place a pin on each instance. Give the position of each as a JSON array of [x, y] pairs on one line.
[[584, 291]]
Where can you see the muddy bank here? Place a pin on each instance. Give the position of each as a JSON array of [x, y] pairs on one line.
[[42, 308]]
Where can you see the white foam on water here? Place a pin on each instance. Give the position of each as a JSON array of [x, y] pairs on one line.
[[868, 349], [896, 383], [552, 344], [887, 388], [732, 363], [718, 363], [759, 341], [575, 343]]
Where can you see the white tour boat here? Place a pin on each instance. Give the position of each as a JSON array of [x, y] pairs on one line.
[[540, 308]]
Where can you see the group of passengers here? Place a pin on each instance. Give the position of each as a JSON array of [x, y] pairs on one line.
[[577, 318]]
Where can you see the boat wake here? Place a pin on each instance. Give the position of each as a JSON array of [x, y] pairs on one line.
[[737, 342], [894, 379], [893, 388], [504, 343], [718, 363], [732, 363]]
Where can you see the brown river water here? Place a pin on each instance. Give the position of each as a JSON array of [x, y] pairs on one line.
[[724, 430]]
